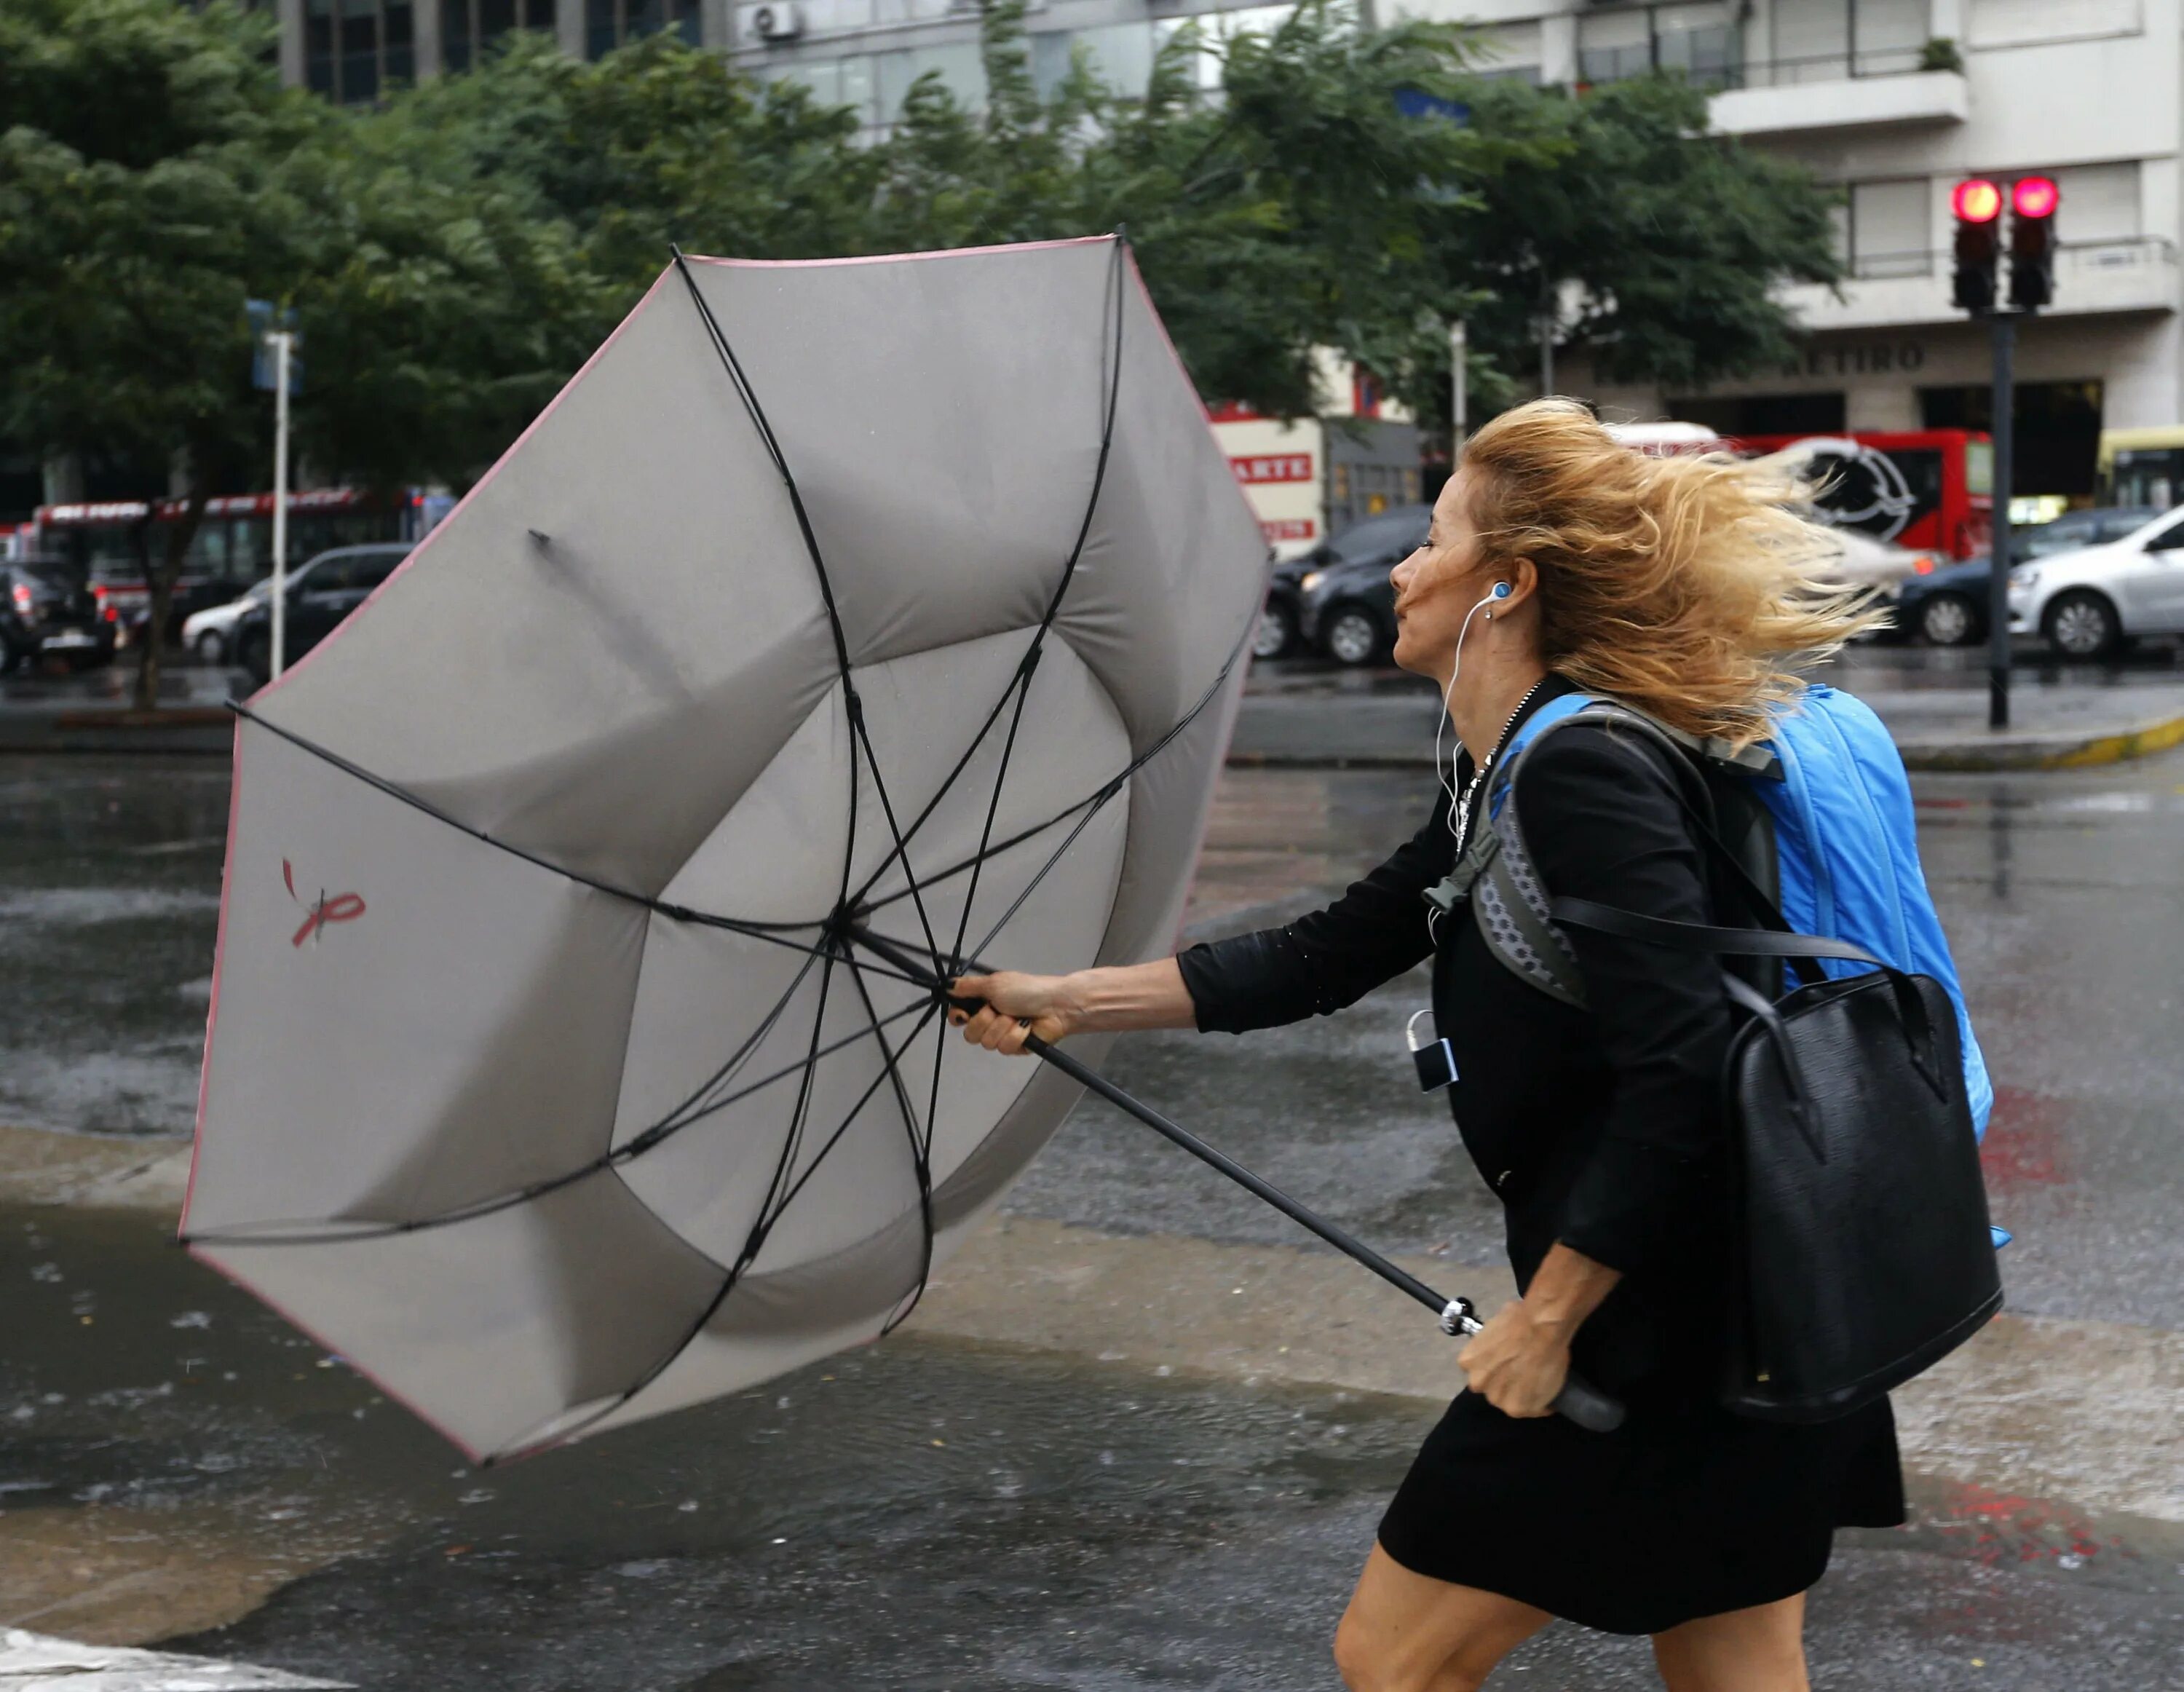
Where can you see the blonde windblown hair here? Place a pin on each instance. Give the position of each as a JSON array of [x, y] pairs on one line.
[[1687, 587]]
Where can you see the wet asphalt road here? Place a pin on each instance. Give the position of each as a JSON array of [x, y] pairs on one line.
[[1077, 1526]]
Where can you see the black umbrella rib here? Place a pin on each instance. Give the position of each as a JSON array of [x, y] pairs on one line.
[[920, 1149], [1093, 801], [891, 1056], [733, 1274], [773, 933], [852, 702], [1019, 686]]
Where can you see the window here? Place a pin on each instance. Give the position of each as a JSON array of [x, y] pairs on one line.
[[2167, 540], [1824, 40], [876, 83], [1510, 50], [610, 24], [1890, 229], [1699, 42], [2020, 22], [1763, 413], [2099, 202], [1121, 55], [469, 27], [353, 49]]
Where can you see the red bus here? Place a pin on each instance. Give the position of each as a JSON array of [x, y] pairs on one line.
[[98, 542], [1928, 490]]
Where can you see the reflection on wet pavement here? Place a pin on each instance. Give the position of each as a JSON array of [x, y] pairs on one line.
[[109, 895]]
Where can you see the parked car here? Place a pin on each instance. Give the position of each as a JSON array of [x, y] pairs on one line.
[[1949, 607], [1862, 561], [208, 636], [1346, 603], [48, 613], [2086, 603], [1276, 635], [320, 595]]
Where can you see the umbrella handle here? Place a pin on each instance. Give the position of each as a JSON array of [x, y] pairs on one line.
[[1579, 1402]]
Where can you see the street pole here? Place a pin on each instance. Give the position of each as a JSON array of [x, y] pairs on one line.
[[1459, 408], [1998, 600], [281, 340], [1547, 347]]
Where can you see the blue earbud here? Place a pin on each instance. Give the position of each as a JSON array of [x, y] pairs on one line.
[[1502, 590]]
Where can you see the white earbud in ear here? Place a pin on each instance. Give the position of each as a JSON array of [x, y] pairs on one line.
[[1502, 590]]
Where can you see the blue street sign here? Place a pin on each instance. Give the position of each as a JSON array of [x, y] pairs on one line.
[[262, 322], [1416, 103]]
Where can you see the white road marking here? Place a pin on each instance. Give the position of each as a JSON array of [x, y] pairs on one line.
[[37, 1662]]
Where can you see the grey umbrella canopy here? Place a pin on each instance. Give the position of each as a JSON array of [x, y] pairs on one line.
[[574, 1054]]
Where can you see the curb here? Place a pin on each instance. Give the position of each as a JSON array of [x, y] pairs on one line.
[[2075, 751], [2048, 751]]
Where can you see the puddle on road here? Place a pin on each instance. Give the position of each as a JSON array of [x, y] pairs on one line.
[[171, 1454], [109, 899]]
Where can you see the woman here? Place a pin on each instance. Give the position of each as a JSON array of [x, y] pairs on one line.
[[1558, 560]]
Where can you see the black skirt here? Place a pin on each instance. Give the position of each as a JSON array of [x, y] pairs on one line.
[[1679, 1514]]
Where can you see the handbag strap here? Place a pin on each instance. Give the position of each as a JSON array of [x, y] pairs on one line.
[[1699, 936], [1775, 939]]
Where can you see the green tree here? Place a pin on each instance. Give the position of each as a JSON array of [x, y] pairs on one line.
[[136, 214], [657, 145], [1300, 210], [1675, 239]]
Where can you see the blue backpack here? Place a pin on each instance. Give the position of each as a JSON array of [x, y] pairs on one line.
[[1840, 858]]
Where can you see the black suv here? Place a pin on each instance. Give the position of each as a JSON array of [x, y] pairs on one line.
[[1348, 604], [321, 594], [46, 613]]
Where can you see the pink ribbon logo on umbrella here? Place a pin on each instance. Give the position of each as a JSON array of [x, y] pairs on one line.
[[343, 907]]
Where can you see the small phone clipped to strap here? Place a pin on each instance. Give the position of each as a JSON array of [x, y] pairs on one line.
[[1434, 1057]]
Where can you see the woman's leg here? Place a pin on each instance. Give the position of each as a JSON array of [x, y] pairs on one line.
[[1407, 1633], [1759, 1650]]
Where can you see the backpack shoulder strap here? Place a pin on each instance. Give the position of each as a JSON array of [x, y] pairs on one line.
[[1511, 900]]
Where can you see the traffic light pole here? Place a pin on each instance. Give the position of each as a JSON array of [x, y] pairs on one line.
[[2004, 323]]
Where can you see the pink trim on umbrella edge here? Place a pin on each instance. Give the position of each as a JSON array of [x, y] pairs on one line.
[[476, 487], [904, 258]]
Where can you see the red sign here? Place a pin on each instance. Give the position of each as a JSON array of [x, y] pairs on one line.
[[1289, 528], [1272, 467]]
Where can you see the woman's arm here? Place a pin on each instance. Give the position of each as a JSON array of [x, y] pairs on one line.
[[1313, 966], [1117, 999]]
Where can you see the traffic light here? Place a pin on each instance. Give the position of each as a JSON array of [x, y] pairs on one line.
[[2032, 203], [1977, 205]]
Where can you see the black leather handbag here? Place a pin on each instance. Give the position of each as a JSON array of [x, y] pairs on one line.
[[1864, 1254]]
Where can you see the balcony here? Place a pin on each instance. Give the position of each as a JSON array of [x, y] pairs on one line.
[[1839, 91], [2135, 273]]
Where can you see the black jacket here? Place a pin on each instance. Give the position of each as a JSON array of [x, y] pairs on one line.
[[1600, 1127]]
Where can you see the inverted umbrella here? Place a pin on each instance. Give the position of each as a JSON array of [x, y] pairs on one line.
[[576, 1050]]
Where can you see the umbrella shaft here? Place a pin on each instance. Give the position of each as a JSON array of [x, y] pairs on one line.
[[1345, 1243]]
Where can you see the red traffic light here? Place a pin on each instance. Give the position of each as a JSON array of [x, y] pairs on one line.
[[2034, 196], [1980, 201]]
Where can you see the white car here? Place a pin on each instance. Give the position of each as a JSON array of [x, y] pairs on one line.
[[2086, 603], [206, 634]]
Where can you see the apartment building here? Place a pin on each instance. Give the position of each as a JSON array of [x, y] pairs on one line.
[[1894, 102]]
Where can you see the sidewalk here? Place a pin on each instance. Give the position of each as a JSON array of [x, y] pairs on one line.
[[1935, 704], [93, 713]]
